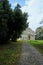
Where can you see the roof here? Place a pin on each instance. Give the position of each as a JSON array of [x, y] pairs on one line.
[[28, 31]]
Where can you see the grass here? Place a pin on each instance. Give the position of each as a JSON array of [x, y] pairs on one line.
[[9, 53], [38, 44]]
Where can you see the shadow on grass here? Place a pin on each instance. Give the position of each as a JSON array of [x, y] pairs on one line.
[[9, 53]]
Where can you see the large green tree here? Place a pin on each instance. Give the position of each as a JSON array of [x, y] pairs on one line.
[[39, 33], [5, 16], [20, 23], [12, 22]]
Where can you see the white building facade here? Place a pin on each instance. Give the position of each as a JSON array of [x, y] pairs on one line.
[[28, 34]]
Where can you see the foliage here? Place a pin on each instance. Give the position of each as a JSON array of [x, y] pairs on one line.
[[12, 22], [20, 23], [39, 33], [3, 20]]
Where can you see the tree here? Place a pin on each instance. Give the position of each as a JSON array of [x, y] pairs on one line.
[[20, 24], [4, 18], [39, 33], [12, 22]]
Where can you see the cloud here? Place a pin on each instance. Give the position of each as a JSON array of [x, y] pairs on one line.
[[35, 10]]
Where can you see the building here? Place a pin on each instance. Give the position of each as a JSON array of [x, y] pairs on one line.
[[28, 34]]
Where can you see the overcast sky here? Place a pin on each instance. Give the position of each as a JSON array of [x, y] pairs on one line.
[[34, 8]]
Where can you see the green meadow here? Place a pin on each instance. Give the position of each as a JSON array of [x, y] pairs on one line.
[[38, 44]]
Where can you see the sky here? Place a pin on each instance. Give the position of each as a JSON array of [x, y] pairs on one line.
[[34, 8]]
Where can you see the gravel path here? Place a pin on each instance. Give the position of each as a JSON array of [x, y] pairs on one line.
[[30, 56]]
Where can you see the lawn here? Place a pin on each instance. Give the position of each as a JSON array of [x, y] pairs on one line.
[[10, 53], [38, 44]]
